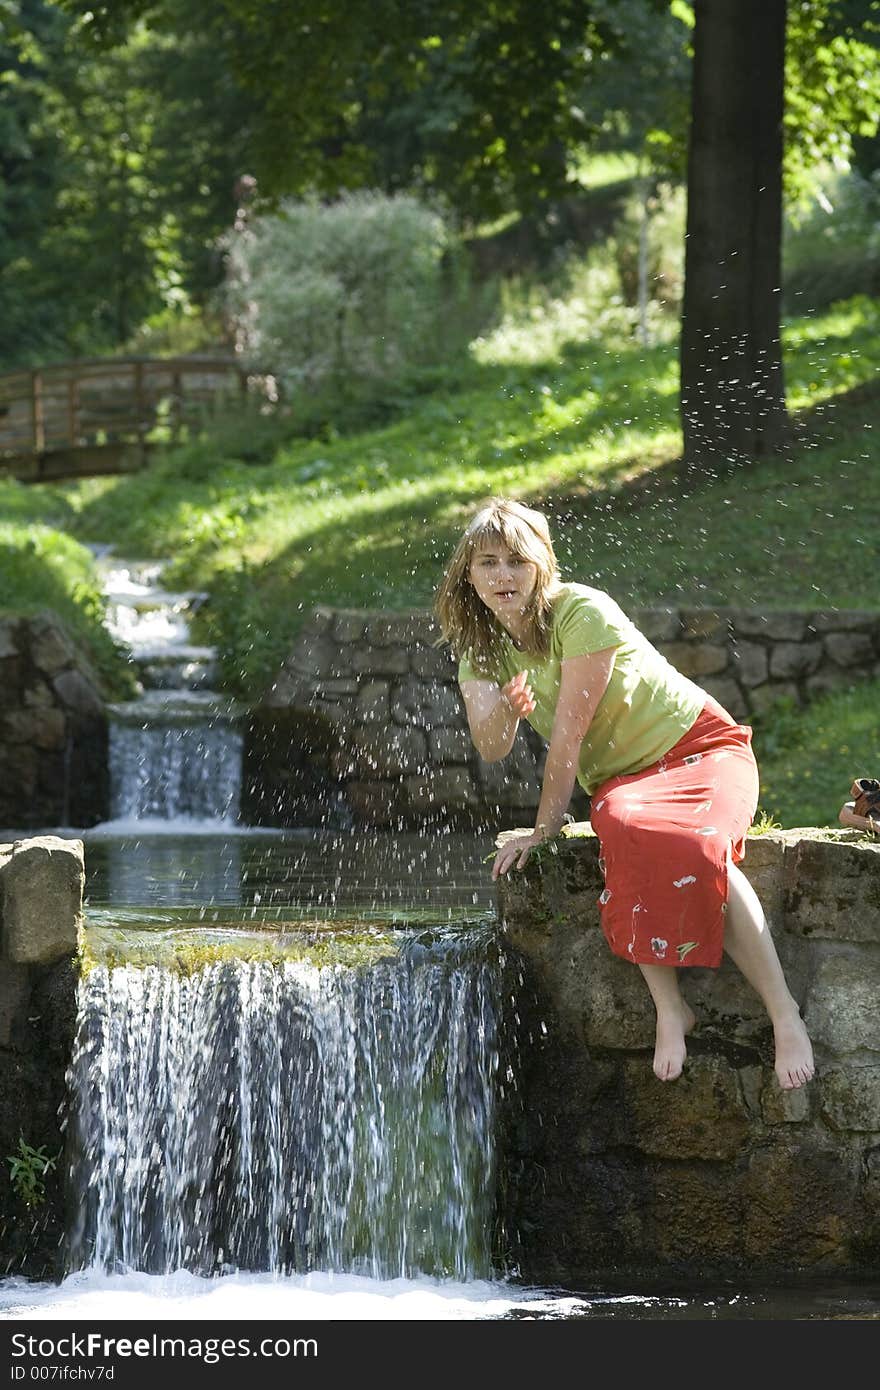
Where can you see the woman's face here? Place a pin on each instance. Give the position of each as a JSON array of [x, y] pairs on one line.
[[505, 582]]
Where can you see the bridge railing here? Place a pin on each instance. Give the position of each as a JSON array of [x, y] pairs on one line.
[[70, 405]]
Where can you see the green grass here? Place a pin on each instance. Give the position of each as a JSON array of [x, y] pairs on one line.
[[368, 520], [810, 757], [42, 568]]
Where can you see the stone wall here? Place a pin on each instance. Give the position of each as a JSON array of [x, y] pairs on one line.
[[610, 1171], [41, 888], [365, 719], [53, 728]]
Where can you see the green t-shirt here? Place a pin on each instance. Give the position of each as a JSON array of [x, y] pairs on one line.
[[647, 706]]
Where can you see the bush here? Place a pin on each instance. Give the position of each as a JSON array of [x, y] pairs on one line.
[[832, 251], [348, 301]]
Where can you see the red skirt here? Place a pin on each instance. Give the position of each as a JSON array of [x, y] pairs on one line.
[[666, 835]]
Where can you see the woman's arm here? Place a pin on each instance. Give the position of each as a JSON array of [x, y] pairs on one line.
[[584, 682], [493, 714]]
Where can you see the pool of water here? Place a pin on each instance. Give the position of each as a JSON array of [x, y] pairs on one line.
[[306, 873], [322, 1296]]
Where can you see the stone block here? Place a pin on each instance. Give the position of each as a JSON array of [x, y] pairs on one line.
[[373, 702], [724, 1008], [728, 694], [780, 1107], [38, 695], [318, 657], [348, 627], [51, 648], [289, 689], [845, 620], [703, 1116], [450, 745], [850, 1098], [751, 663], [15, 992], [380, 661], [514, 780], [42, 728], [832, 889], [427, 704], [19, 770], [695, 658], [441, 787], [380, 751], [42, 887], [791, 660], [11, 678], [848, 649], [705, 622], [435, 663], [842, 1008], [404, 629], [779, 626], [8, 644], [77, 694], [598, 995], [658, 624]]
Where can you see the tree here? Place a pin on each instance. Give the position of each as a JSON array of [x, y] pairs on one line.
[[117, 176], [732, 388], [732, 392], [491, 84]]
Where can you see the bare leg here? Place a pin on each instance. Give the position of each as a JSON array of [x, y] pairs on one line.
[[674, 1020], [748, 942]]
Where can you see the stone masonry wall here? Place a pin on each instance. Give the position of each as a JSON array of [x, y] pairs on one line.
[[608, 1170], [53, 728], [41, 895], [365, 718]]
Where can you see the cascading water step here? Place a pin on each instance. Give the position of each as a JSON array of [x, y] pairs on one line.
[[175, 752], [175, 675], [179, 706], [189, 599], [290, 1115]]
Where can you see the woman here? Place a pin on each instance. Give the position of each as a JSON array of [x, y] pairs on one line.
[[671, 776]]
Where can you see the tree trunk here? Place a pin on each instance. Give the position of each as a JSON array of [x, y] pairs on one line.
[[732, 391]]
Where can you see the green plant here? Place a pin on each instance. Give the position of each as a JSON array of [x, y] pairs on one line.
[[28, 1169], [764, 824], [344, 299]]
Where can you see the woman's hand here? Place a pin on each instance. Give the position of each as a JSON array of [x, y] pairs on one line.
[[516, 851], [518, 694]]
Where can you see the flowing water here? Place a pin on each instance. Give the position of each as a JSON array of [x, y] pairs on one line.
[[289, 1053], [175, 753]]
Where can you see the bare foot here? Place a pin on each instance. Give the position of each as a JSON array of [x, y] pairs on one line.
[[669, 1048], [794, 1054]]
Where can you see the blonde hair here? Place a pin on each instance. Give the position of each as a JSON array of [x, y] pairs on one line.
[[465, 622]]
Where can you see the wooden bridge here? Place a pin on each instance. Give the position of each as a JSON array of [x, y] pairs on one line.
[[104, 415]]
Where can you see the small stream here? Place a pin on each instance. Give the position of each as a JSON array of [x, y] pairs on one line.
[[175, 753], [288, 1053]]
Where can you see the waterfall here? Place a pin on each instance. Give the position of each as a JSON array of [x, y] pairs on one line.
[[280, 1116], [175, 753], [171, 768]]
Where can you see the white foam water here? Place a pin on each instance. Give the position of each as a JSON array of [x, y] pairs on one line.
[[318, 1296]]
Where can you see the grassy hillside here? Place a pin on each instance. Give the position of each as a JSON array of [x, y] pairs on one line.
[[271, 526]]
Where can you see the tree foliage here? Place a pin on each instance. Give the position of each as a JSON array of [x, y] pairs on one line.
[[126, 125]]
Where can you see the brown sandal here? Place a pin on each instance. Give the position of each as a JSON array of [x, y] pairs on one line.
[[863, 812]]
